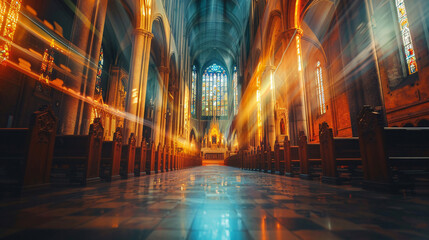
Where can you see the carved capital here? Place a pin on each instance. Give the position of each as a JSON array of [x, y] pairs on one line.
[[141, 31], [270, 68]]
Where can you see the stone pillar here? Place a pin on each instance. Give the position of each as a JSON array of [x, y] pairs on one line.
[[270, 105], [169, 133], [174, 117], [302, 116], [136, 96], [297, 106], [161, 110], [89, 90], [88, 43], [165, 76]]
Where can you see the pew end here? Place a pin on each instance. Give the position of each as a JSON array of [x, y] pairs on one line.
[[26, 154]]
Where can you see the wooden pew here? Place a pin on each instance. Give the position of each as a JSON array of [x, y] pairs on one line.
[[168, 164], [254, 160], [266, 158], [77, 159], [128, 158], [164, 159], [249, 160], [26, 154], [277, 160], [291, 158], [179, 161], [173, 159], [246, 160], [392, 158], [340, 156], [150, 159], [310, 159], [111, 157], [269, 160], [140, 162], [259, 159], [158, 159], [240, 159]]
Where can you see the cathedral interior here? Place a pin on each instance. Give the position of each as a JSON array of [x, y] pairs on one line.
[[214, 119]]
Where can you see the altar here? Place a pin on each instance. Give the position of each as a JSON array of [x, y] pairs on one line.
[[214, 148]]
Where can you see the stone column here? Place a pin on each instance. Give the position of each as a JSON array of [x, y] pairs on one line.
[[136, 96], [87, 34], [174, 117], [165, 76], [160, 113], [270, 105], [170, 133], [302, 120], [297, 104], [89, 90]]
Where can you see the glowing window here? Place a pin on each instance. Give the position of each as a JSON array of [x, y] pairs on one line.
[[214, 94], [320, 89], [406, 37], [186, 111], [194, 90], [235, 92], [9, 27], [99, 72]]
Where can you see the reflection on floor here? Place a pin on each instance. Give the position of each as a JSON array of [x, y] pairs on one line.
[[215, 203]]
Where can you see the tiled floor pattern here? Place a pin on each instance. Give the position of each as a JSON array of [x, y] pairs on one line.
[[214, 203]]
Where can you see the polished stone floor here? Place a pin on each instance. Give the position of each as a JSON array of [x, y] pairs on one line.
[[214, 203]]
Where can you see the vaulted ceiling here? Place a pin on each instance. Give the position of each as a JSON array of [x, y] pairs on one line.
[[215, 28]]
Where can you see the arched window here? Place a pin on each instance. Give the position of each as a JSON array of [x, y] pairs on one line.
[[194, 91], [214, 94], [406, 37], [320, 89], [98, 89], [235, 91]]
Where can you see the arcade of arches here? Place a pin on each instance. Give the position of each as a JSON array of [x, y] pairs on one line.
[[243, 83]]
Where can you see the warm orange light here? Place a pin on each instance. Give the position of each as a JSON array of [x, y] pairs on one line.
[[298, 50], [9, 27], [297, 13], [186, 111]]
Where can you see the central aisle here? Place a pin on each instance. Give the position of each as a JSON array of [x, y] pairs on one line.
[[215, 202]]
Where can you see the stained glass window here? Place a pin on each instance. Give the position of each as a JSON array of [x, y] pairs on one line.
[[214, 93], [9, 27], [99, 72], [320, 89], [186, 111], [235, 91], [406, 37], [194, 91]]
